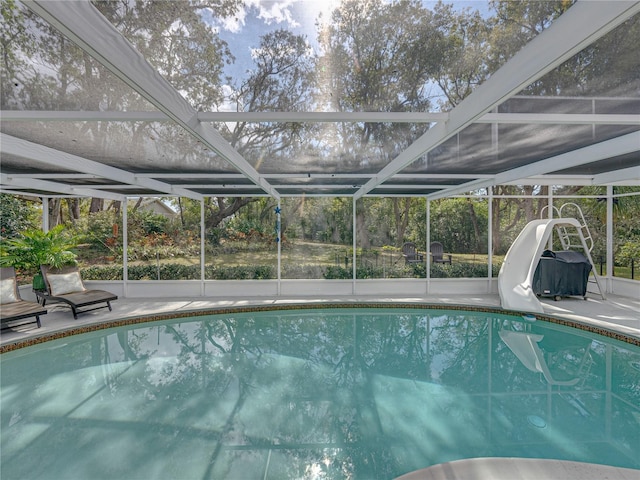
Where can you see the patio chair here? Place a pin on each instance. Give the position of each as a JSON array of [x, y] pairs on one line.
[[437, 253], [410, 253], [65, 285], [12, 307]]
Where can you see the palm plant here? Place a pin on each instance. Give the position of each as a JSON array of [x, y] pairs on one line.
[[35, 247]]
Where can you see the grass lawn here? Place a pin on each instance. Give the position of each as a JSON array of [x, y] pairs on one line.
[[304, 253]]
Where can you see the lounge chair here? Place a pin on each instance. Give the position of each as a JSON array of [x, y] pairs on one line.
[[65, 285], [410, 253], [12, 307], [437, 253]]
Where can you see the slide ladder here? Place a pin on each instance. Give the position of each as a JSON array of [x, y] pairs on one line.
[[571, 238], [578, 238]]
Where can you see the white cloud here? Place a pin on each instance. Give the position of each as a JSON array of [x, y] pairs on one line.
[[277, 12], [234, 24], [285, 12]]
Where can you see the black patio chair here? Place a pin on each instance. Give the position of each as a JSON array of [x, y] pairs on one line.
[[65, 285], [411, 254], [437, 253]]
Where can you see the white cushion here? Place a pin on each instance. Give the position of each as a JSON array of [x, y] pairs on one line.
[[8, 291], [64, 283]]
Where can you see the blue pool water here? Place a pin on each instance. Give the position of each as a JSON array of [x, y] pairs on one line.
[[349, 393]]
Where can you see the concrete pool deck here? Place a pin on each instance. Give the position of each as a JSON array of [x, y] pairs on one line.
[[520, 469], [621, 314]]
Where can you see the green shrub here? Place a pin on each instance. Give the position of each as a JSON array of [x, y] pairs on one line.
[[369, 271], [16, 215], [97, 230], [174, 271], [462, 270], [166, 271], [240, 272], [34, 247], [629, 251], [213, 235], [264, 272], [302, 271], [337, 273], [148, 221], [109, 272]]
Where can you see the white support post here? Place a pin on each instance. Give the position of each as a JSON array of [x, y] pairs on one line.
[[490, 236], [279, 243], [353, 256], [203, 253], [428, 240], [609, 238], [550, 214], [45, 214], [125, 243]]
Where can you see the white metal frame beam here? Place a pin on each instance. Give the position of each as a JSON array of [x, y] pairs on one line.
[[8, 182], [50, 156], [321, 117], [560, 119], [575, 29], [399, 176], [249, 117], [610, 148], [83, 24], [624, 176]]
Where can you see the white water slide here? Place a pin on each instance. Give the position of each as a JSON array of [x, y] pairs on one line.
[[515, 280]]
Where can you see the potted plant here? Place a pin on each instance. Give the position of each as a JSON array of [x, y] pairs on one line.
[[35, 247]]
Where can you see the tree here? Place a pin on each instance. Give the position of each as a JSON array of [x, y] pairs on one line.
[[173, 36], [464, 46], [219, 208], [626, 223], [516, 23], [16, 215], [401, 209], [14, 39], [281, 81], [456, 223], [376, 56], [511, 214]]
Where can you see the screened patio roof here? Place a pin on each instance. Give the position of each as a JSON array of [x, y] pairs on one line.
[[500, 134]]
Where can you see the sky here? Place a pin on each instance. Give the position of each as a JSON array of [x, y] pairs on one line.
[[243, 32]]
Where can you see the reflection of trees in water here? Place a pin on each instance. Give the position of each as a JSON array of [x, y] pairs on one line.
[[308, 388], [459, 344]]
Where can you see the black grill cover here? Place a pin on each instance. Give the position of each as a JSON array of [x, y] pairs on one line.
[[561, 273]]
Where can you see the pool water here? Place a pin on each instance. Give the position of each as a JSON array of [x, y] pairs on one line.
[[340, 393]]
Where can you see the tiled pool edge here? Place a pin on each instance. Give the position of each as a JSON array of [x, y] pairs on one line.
[[67, 332]]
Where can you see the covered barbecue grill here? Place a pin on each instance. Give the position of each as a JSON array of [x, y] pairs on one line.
[[561, 274]]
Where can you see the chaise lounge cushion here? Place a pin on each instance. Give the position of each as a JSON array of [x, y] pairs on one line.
[[8, 291], [20, 309], [65, 283], [86, 297]]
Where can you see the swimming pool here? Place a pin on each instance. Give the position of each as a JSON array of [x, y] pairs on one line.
[[336, 393]]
